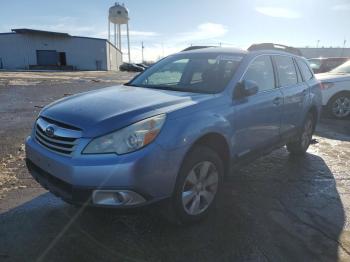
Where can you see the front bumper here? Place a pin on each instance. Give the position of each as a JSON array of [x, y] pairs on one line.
[[150, 172]]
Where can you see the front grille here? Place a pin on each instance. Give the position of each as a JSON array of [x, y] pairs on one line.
[[62, 141]]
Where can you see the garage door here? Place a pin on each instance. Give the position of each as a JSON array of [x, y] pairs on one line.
[[46, 57]]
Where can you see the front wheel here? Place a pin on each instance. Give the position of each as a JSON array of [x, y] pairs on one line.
[[197, 186], [300, 145]]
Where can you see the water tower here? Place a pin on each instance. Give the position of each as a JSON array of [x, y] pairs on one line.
[[118, 16]]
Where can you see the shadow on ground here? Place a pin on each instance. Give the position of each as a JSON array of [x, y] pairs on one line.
[[277, 209]]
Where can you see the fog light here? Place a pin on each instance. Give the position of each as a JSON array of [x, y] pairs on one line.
[[116, 198]]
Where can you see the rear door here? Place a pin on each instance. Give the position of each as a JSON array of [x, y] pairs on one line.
[[295, 93], [258, 117]]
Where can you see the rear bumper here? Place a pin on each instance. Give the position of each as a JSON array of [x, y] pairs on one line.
[[150, 172]]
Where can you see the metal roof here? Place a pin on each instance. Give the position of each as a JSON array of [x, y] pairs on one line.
[[41, 32]]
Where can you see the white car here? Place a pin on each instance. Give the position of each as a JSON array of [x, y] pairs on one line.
[[336, 90]]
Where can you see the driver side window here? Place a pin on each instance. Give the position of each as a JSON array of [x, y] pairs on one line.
[[261, 72]]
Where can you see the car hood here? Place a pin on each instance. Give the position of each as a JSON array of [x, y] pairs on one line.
[[332, 77], [105, 110]]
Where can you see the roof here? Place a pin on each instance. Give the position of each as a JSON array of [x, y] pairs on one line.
[[41, 32], [50, 33]]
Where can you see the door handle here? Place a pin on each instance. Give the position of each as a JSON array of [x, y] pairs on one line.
[[277, 101]]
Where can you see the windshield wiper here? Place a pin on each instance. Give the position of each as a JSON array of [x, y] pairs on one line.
[[169, 88], [163, 87], [129, 84], [339, 73]]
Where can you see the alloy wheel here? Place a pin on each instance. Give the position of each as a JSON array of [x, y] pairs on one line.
[[200, 188], [341, 107]]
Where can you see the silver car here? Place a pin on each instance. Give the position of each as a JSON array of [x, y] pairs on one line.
[[336, 90]]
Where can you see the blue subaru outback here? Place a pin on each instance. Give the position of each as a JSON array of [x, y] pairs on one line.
[[175, 130]]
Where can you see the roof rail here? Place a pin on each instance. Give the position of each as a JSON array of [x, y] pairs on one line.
[[272, 46]]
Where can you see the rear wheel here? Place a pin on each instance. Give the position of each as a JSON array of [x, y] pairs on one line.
[[197, 186], [339, 105], [300, 145]]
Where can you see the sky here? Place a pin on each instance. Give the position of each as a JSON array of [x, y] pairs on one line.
[[167, 27]]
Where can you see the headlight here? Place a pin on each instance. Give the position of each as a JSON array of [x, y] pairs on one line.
[[128, 139]]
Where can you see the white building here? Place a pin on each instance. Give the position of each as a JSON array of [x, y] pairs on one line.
[[36, 49]]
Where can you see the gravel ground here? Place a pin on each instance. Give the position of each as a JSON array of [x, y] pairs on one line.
[[278, 208], [22, 95]]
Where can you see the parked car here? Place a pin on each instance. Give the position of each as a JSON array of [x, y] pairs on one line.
[[131, 67], [336, 91], [326, 64], [142, 65], [173, 133]]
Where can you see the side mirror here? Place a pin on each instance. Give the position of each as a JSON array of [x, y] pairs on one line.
[[245, 88]]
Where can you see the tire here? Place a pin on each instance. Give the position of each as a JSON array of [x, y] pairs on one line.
[[339, 105], [300, 145], [195, 194]]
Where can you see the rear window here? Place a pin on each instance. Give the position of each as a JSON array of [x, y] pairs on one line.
[[286, 70], [305, 70]]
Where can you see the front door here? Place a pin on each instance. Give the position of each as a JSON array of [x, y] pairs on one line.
[[258, 117]]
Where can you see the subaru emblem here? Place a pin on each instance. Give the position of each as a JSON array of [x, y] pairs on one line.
[[50, 131]]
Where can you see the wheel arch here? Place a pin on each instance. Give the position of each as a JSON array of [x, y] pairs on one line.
[[218, 143]]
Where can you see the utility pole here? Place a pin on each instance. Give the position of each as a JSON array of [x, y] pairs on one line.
[[142, 48], [318, 42], [342, 51]]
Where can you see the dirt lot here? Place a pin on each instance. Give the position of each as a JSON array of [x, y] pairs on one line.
[[276, 209], [22, 95]]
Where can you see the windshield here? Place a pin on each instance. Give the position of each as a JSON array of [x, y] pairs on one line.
[[342, 69], [200, 73]]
